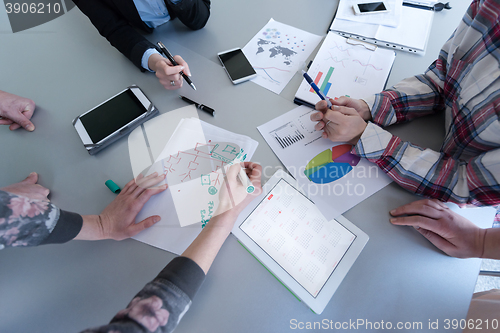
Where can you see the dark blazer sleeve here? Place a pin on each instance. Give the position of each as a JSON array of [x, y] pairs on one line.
[[193, 13], [117, 21], [118, 29]]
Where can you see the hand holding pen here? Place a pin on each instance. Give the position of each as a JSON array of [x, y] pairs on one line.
[[167, 73], [316, 89], [171, 58]]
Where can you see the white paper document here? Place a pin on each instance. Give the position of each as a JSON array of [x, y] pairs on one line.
[[340, 68], [277, 52], [327, 172], [192, 155]]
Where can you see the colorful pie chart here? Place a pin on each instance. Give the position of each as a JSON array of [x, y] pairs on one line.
[[331, 164]]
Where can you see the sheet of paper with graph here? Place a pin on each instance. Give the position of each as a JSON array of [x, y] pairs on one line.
[[343, 69], [277, 52], [192, 156], [327, 172]]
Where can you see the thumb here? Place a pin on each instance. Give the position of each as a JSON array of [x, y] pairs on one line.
[[322, 106], [233, 171], [20, 118], [31, 179]]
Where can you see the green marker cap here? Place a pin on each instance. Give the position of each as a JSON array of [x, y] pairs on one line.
[[112, 186], [250, 189]]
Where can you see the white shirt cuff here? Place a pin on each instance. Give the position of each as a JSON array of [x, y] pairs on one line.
[[145, 58]]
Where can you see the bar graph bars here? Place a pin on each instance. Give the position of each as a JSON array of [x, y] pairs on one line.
[[325, 86], [287, 135]]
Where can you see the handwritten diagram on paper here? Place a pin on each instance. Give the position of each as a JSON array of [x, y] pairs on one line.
[[292, 230], [197, 162], [194, 161], [341, 69], [277, 52], [192, 154], [334, 178]]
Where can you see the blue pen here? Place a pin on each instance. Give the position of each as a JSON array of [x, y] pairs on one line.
[[316, 89]]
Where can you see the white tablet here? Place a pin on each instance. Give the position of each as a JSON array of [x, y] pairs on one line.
[[288, 234]]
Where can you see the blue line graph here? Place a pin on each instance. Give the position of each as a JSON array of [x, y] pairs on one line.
[[263, 69]]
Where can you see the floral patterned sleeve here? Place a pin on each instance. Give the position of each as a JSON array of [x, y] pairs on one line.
[[29, 222], [162, 303]]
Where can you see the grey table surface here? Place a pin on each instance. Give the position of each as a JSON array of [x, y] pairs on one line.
[[67, 68]]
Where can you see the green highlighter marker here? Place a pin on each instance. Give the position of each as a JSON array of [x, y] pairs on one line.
[[112, 186]]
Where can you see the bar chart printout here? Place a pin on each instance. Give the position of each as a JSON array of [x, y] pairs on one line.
[[287, 135], [325, 86]]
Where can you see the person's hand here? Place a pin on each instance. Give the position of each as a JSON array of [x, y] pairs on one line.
[[450, 232], [339, 124], [29, 188], [357, 104], [233, 196], [117, 220], [16, 111], [167, 74]]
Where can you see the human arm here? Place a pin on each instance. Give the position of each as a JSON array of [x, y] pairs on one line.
[[28, 218], [424, 171], [411, 98], [434, 174], [206, 246], [448, 231], [16, 111], [118, 21], [118, 29], [160, 305]]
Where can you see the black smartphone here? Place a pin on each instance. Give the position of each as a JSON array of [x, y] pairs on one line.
[[237, 65]]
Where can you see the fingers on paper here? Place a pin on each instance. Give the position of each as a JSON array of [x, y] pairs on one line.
[[428, 207], [150, 181]]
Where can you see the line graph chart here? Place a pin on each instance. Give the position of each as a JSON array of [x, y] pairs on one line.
[[266, 70], [342, 69]]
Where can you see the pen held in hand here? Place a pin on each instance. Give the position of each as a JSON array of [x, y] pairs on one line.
[[169, 56], [316, 89], [202, 107]]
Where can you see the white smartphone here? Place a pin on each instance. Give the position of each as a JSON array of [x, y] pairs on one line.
[[370, 8], [237, 65], [117, 115]]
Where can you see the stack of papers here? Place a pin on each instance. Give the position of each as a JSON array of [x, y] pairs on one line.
[[410, 35]]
